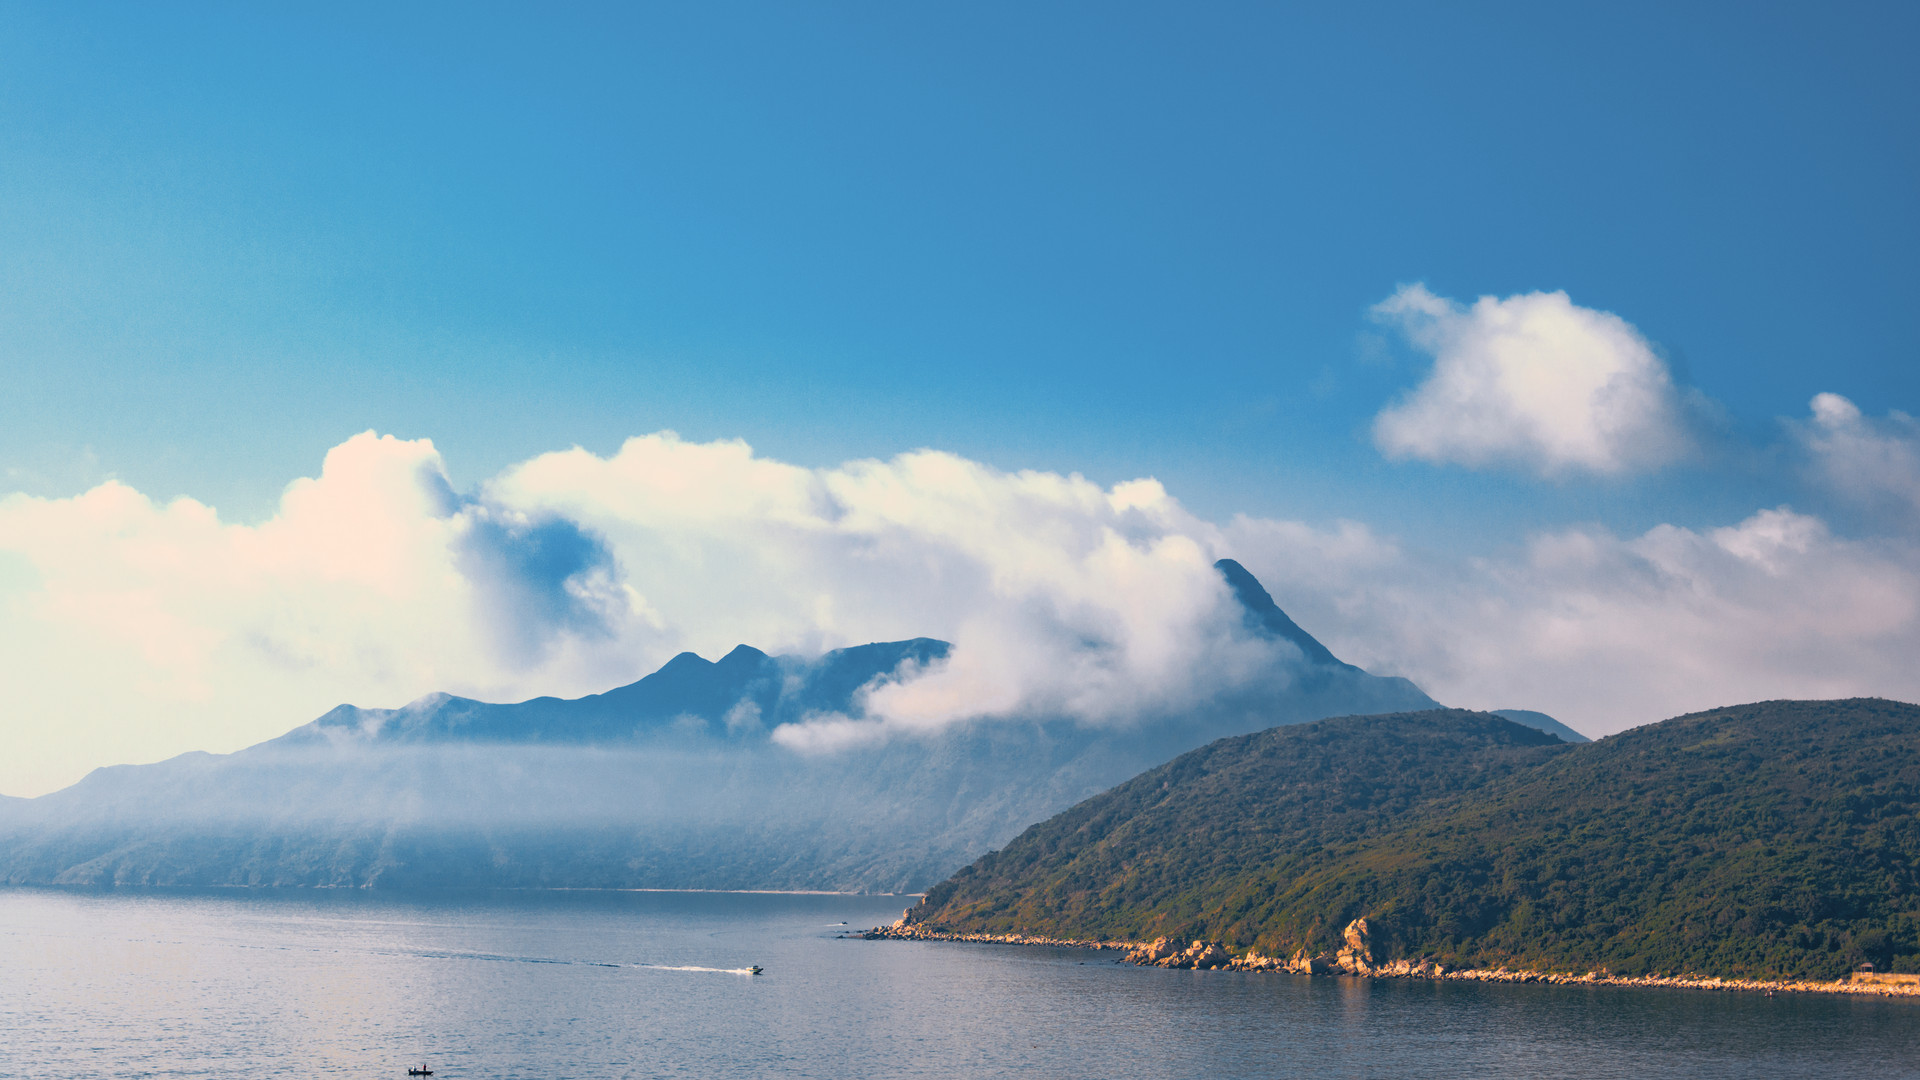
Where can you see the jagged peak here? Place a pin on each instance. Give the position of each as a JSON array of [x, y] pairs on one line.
[[1266, 617]]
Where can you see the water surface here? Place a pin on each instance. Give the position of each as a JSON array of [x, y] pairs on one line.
[[590, 985]]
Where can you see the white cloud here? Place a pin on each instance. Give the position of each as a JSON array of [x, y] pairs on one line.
[[1060, 597], [1872, 463], [138, 630], [1606, 632], [131, 630], [1533, 381]]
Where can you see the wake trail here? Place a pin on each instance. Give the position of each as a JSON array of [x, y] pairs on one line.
[[691, 967], [443, 954]]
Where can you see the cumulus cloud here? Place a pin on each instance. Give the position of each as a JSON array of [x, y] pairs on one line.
[[1061, 598], [1606, 632], [1533, 381], [1872, 463], [571, 573], [154, 628]]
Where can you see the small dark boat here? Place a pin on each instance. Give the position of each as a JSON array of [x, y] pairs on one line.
[[754, 970], [421, 1071]]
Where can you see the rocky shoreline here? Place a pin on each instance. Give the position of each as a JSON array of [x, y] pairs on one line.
[[1355, 959]]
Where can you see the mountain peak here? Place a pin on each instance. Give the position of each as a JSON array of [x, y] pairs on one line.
[[743, 655], [1265, 616]]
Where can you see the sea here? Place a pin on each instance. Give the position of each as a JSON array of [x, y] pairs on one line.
[[558, 985]]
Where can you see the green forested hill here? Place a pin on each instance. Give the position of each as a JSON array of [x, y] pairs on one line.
[[1771, 839]]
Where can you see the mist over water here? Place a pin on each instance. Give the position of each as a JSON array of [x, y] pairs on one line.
[[596, 985], [623, 794]]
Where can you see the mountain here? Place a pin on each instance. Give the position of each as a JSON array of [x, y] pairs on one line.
[[734, 697], [673, 781], [1771, 839], [1541, 721], [1265, 616]]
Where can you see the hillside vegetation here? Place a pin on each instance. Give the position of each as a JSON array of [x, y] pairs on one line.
[[1774, 839]]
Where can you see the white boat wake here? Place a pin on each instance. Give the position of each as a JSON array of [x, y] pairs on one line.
[[694, 967], [437, 954]]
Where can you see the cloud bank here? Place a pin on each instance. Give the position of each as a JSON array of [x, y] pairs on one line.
[[1605, 632], [1533, 381], [132, 630], [133, 623]]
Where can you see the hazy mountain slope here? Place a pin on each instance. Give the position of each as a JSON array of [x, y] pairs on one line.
[[1543, 722], [669, 782], [1776, 838]]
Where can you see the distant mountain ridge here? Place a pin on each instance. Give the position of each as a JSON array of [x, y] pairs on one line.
[[672, 781], [736, 696], [1775, 839]]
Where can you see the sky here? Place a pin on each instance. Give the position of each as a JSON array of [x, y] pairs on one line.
[[1556, 358]]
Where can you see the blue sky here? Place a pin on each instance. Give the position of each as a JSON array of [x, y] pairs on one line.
[[1122, 241]]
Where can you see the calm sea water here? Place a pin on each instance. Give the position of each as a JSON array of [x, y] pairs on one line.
[[559, 985]]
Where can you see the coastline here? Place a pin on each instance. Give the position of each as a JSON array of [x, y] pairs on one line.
[[1427, 970]]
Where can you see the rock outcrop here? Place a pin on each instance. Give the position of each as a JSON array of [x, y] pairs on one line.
[[1356, 958], [1426, 969], [1199, 956], [1305, 963]]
